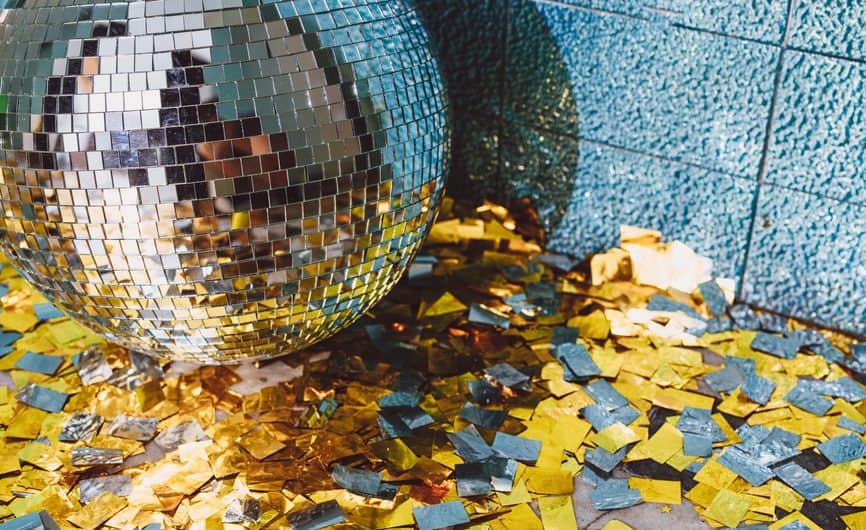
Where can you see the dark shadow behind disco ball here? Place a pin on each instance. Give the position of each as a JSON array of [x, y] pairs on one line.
[[221, 180]]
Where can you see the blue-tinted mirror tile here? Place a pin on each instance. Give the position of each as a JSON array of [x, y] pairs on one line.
[[836, 27], [819, 126], [708, 211], [807, 258], [682, 94]]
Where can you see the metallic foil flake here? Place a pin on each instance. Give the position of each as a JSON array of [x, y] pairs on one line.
[[133, 428], [92, 456], [316, 517], [81, 426]]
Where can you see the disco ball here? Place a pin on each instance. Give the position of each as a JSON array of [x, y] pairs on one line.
[[217, 180]]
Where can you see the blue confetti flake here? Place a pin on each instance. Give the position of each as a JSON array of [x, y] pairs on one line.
[[469, 445], [744, 317], [564, 335], [509, 376], [843, 448], [757, 388], [46, 311], [745, 465], [700, 421], [490, 419], [783, 347], [801, 396], [714, 297], [601, 418], [31, 521], [472, 479], [392, 425], [844, 387], [39, 363], [614, 494], [42, 398], [576, 361], [400, 399], [483, 392], [480, 314], [523, 449], [440, 515], [697, 445], [801, 481], [726, 379], [360, 481], [414, 418], [606, 395], [847, 423], [605, 460], [658, 302], [8, 337]]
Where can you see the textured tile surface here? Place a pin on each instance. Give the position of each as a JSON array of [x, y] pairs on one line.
[[837, 27], [467, 38], [762, 20], [542, 166], [708, 211], [819, 126], [682, 94], [808, 258], [538, 90]]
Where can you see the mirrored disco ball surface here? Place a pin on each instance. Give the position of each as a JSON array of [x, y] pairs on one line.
[[219, 180]]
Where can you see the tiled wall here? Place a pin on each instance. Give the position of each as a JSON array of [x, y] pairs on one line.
[[737, 126]]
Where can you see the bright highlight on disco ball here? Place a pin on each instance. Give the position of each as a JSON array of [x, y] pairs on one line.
[[217, 181]]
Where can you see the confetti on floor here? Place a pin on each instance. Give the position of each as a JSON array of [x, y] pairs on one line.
[[475, 395]]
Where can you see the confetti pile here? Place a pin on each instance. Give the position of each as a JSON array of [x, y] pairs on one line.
[[491, 379]]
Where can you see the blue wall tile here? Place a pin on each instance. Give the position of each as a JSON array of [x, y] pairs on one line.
[[709, 211], [837, 27], [762, 20], [537, 89], [817, 143], [682, 94], [808, 258]]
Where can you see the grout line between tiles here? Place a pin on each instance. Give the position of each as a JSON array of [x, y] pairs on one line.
[[762, 169]]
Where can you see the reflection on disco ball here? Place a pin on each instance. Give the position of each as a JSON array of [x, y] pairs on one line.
[[217, 180]]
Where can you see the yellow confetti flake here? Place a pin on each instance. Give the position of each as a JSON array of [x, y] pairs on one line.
[[19, 321], [838, 479], [97, 511], [661, 491], [615, 437], [519, 494], [549, 481], [26, 424], [671, 398], [557, 512], [729, 508], [522, 517], [715, 475], [662, 445], [260, 444], [616, 525], [855, 521], [785, 497]]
